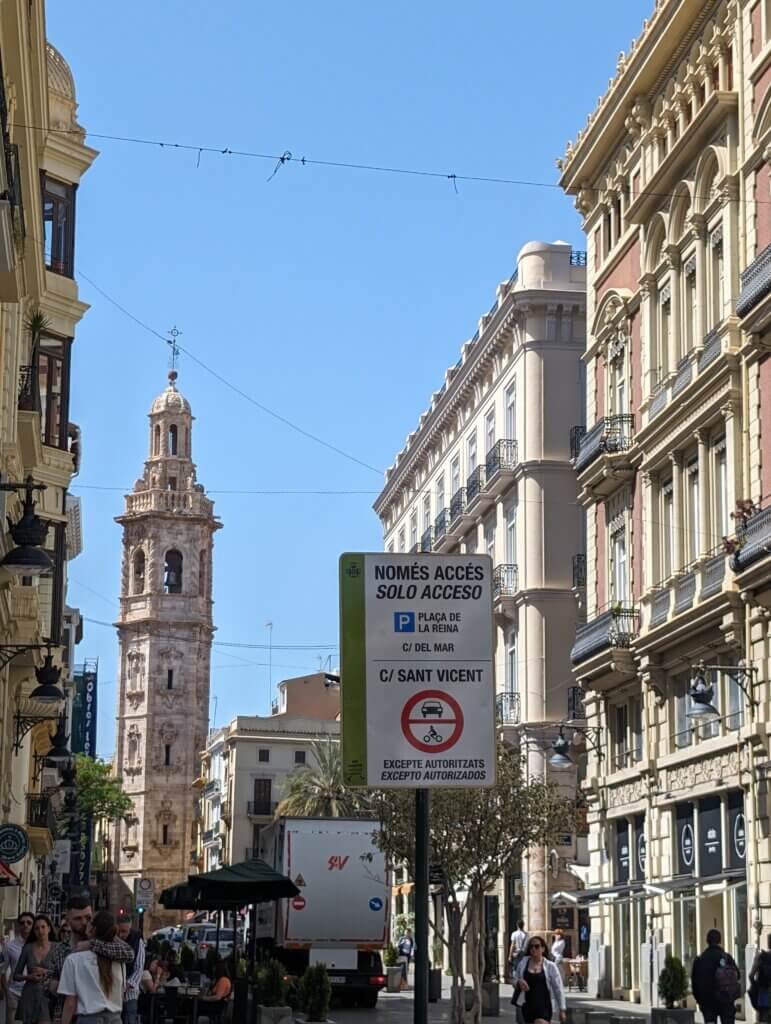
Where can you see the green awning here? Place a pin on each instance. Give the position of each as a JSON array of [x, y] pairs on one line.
[[251, 881]]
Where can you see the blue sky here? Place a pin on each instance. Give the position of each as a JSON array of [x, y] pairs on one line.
[[337, 298]]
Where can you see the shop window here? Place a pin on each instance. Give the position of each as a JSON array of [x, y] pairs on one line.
[[58, 225], [172, 572]]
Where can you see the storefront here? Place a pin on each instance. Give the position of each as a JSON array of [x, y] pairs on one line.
[[628, 911]]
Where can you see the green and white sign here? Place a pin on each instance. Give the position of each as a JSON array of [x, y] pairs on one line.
[[418, 688]]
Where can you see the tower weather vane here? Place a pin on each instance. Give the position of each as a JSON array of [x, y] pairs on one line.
[[173, 335]]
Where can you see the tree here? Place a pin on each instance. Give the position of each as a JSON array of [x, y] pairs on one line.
[[318, 791], [98, 793], [477, 836]]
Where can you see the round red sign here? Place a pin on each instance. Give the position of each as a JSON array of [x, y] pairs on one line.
[[298, 903], [432, 721]]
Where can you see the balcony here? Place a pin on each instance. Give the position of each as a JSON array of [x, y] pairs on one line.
[[477, 497], [753, 540], [212, 788], [505, 588], [210, 835], [576, 709], [500, 464], [442, 537], [579, 572], [427, 540], [457, 509], [755, 283], [261, 808], [602, 458], [601, 648], [41, 824], [29, 391], [508, 709]]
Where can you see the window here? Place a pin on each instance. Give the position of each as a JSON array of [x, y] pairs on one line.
[[734, 701], [490, 537], [262, 796], [471, 452], [717, 277], [511, 663], [256, 830], [53, 380], [618, 385], [665, 331], [619, 217], [426, 512], [720, 489], [413, 530], [171, 446], [402, 540], [667, 529], [619, 583], [619, 736], [299, 757], [636, 729], [58, 225], [440, 497], [511, 411], [490, 430], [172, 484], [172, 572], [201, 573], [455, 476], [690, 311], [694, 540], [263, 755], [138, 583], [167, 754], [156, 440], [511, 534], [170, 679], [164, 835]]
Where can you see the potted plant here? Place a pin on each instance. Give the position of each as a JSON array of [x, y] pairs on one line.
[[270, 994], [673, 988], [392, 968], [315, 993]]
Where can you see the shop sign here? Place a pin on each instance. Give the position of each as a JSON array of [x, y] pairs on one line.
[[563, 917], [686, 847], [640, 846], [737, 831], [710, 838], [622, 852]]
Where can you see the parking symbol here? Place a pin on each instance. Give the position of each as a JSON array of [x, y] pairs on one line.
[[404, 622]]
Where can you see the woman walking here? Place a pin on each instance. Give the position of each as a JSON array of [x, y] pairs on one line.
[[538, 989], [32, 969], [92, 985]]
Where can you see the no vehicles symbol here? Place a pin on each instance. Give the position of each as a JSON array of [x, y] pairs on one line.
[[432, 721]]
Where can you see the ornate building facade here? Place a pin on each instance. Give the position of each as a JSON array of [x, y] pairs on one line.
[[671, 176], [165, 632]]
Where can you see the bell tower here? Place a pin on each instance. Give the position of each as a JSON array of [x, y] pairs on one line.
[[164, 633]]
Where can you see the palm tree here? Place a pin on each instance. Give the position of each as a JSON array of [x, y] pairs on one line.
[[318, 791]]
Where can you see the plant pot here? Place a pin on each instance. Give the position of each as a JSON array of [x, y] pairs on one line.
[[661, 1015], [491, 1003], [434, 985], [393, 979], [274, 1014]]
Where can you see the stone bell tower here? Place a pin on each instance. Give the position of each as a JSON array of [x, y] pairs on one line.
[[165, 632]]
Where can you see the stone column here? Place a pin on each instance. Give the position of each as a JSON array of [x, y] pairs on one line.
[[699, 233], [648, 332], [733, 453], [676, 329], [706, 493], [678, 559]]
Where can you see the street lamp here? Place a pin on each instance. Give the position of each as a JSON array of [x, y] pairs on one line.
[[47, 690], [701, 692], [560, 760], [28, 557], [59, 753]]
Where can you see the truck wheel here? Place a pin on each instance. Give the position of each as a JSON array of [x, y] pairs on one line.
[[368, 1000]]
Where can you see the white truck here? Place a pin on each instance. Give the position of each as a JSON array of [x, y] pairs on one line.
[[341, 917]]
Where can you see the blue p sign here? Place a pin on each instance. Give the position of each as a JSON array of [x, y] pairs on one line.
[[404, 622]]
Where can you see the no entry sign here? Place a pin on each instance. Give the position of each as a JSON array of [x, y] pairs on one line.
[[417, 670]]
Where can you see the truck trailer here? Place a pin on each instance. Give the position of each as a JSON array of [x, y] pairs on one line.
[[341, 917]]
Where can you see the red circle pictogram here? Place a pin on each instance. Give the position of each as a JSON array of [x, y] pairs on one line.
[[432, 721], [298, 903]]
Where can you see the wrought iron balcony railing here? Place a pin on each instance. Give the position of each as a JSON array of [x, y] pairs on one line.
[[207, 835], [579, 572], [427, 540], [40, 813], [262, 807], [576, 709], [458, 504], [505, 581], [617, 627], [441, 524], [576, 434], [753, 539], [29, 389], [475, 484], [610, 435], [212, 788], [502, 455], [755, 281], [508, 708], [578, 258]]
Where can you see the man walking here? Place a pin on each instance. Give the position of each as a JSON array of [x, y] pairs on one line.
[[715, 982], [517, 946], [13, 950], [405, 947], [133, 939]]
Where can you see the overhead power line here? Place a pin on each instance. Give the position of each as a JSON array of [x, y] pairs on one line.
[[215, 643]]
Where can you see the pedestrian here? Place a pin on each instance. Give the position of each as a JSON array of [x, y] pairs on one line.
[[558, 945], [91, 984], [32, 969], [517, 946], [79, 915], [405, 947], [715, 981], [538, 988], [134, 971], [760, 985], [13, 949], [220, 992], [65, 932]]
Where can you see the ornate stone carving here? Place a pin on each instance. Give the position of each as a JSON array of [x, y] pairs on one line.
[[703, 771], [628, 793]]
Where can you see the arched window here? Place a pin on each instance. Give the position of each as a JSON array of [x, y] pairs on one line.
[[138, 583], [202, 574], [187, 442], [172, 572], [172, 446], [157, 441]]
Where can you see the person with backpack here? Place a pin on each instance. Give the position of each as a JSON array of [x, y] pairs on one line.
[[405, 947], [715, 981], [759, 991]]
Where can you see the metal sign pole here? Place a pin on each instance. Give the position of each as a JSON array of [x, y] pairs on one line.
[[420, 1006]]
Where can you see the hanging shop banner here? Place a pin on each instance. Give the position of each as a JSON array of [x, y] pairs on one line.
[[640, 847], [686, 839], [737, 830], [563, 917], [418, 690], [622, 852], [710, 837]]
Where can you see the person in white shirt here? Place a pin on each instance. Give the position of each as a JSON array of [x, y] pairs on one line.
[[13, 949], [517, 945], [93, 985], [558, 945]]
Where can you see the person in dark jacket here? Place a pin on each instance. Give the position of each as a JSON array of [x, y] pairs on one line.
[[712, 981]]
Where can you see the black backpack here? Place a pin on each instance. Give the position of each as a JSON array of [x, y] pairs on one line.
[[727, 987]]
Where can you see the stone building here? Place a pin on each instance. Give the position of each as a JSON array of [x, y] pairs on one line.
[[488, 471], [43, 157], [165, 633], [671, 175]]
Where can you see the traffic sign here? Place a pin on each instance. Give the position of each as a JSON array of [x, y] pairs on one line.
[[417, 670], [144, 893], [298, 903]]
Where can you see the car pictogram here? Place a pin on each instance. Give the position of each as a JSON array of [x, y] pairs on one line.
[[432, 707]]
